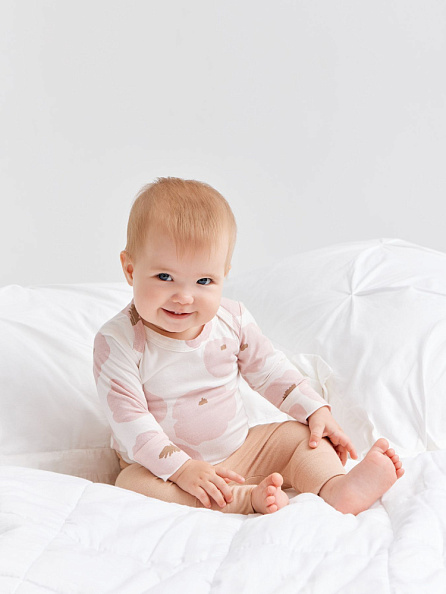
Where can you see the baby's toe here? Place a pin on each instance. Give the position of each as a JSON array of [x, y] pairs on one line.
[[381, 444]]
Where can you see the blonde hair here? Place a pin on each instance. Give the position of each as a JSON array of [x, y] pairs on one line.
[[192, 213]]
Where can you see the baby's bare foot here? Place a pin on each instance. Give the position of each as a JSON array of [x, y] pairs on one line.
[[268, 497], [356, 491]]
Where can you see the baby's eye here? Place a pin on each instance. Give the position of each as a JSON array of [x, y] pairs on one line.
[[164, 276], [204, 281]]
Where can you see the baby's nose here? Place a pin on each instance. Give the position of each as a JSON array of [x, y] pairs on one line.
[[183, 297]]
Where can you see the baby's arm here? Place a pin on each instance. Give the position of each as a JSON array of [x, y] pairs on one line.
[[123, 400], [269, 372]]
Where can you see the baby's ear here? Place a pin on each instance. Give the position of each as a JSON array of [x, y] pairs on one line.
[[127, 267]]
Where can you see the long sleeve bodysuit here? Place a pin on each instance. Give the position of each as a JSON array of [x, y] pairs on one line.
[[169, 400]]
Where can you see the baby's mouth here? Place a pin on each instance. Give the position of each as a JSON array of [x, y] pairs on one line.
[[177, 314]]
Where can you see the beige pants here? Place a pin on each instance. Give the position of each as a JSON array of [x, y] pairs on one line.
[[276, 447]]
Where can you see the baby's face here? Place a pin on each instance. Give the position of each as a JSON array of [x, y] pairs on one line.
[[176, 294]]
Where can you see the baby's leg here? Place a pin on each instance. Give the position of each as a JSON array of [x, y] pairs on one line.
[[320, 470], [366, 482], [264, 460], [283, 448], [140, 480]]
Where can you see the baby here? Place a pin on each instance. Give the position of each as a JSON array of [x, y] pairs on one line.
[[168, 367]]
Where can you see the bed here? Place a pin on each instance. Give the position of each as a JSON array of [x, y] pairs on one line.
[[366, 321]]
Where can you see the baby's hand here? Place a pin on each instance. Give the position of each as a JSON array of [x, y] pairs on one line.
[[202, 480], [322, 424]]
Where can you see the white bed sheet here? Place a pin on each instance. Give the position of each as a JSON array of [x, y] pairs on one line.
[[65, 534]]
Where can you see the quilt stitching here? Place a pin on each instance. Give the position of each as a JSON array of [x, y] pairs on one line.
[[55, 535]]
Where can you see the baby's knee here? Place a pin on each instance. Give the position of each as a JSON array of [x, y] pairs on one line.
[[134, 478], [124, 476], [294, 434]]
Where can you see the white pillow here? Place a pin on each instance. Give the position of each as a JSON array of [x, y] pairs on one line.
[[375, 311], [50, 414]]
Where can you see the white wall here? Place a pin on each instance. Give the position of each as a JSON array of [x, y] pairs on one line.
[[320, 121]]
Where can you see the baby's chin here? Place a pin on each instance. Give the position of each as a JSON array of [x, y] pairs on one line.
[[170, 331]]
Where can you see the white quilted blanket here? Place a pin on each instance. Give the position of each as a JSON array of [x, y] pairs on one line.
[[65, 534]]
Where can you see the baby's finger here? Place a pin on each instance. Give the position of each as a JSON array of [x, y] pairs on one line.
[[353, 453], [350, 449], [342, 439], [227, 481], [225, 473], [224, 488], [342, 453], [316, 435], [202, 496], [217, 494]]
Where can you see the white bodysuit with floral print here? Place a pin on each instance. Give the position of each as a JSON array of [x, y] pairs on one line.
[[169, 400]]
